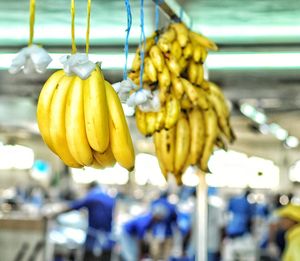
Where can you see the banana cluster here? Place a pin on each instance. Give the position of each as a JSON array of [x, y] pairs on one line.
[[194, 116], [192, 140], [82, 121]]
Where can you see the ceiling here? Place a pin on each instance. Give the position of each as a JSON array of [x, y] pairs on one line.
[[236, 25]]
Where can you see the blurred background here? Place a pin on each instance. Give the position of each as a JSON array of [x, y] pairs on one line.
[[257, 67]]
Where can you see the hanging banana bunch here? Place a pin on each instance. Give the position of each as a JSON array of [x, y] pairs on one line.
[[80, 116], [194, 116]]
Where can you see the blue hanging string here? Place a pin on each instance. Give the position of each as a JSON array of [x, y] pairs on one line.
[[142, 43], [156, 18], [129, 23]]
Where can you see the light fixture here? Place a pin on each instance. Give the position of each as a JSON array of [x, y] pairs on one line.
[[292, 141]]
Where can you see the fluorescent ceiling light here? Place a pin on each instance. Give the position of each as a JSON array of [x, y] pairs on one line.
[[215, 61]]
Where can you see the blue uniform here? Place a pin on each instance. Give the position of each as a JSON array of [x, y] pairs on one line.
[[242, 212], [164, 227], [100, 209]]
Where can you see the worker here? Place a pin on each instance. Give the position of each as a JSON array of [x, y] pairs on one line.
[[290, 222], [162, 231], [239, 243], [100, 206], [135, 230]]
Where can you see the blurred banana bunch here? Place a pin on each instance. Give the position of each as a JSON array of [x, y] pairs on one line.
[[194, 115]]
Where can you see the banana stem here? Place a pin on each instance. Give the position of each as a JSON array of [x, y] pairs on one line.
[[74, 49], [87, 43], [31, 21]]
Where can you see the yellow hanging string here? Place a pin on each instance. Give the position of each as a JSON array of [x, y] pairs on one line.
[[74, 49], [87, 41], [31, 21]]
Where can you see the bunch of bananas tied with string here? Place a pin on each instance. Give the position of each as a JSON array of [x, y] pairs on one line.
[[193, 116], [82, 121]]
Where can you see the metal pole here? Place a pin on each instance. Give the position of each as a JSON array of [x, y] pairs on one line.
[[202, 214], [174, 11]]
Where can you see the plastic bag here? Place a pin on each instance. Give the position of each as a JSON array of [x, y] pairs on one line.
[[30, 59], [78, 64], [124, 88], [151, 104]]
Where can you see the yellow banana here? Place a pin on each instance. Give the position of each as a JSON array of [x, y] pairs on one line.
[[221, 144], [164, 78], [105, 159], [197, 130], [173, 65], [182, 143], [43, 106], [95, 111], [157, 58], [197, 53], [96, 165], [200, 74], [190, 91], [150, 41], [177, 87], [160, 119], [183, 63], [140, 119], [57, 125], [157, 145], [211, 133], [192, 72], [167, 148], [169, 35], [163, 92], [150, 122], [164, 45], [136, 63], [150, 69], [176, 50], [203, 101], [204, 54], [203, 41], [185, 103], [182, 33], [120, 139], [188, 50], [172, 111], [75, 126]]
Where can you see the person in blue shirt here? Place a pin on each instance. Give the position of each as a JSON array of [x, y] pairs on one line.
[[162, 231], [100, 207], [239, 242], [135, 230]]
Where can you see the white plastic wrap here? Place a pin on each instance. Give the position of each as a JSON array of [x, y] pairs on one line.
[[124, 88], [78, 64], [31, 59]]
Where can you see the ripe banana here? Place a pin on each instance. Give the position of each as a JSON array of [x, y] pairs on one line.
[[167, 145], [202, 40], [150, 122], [75, 126], [95, 111], [183, 63], [150, 70], [185, 103], [168, 36], [140, 119], [182, 143], [157, 58], [136, 63], [190, 91], [120, 139], [105, 159], [43, 106], [176, 50], [197, 130], [173, 65], [177, 87], [164, 78], [172, 111], [188, 50], [160, 119], [200, 74], [192, 72], [211, 133], [182, 33], [157, 145], [203, 101], [57, 126]]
